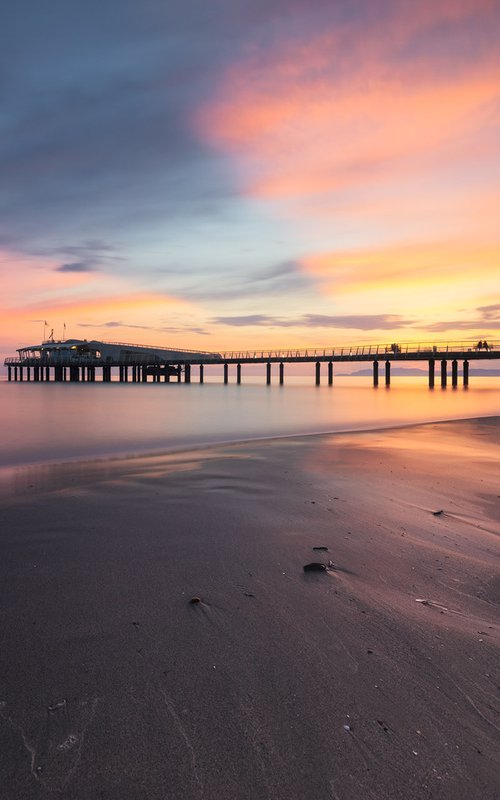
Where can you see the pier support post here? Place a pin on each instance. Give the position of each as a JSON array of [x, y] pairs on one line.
[[330, 373], [375, 373], [454, 373], [28, 373], [268, 373], [15, 374], [21, 376], [443, 373], [466, 373], [121, 374], [167, 373], [36, 374], [387, 373], [58, 374], [47, 373], [187, 373], [73, 374], [282, 373], [144, 374], [238, 373], [179, 374], [318, 373], [125, 374], [202, 376], [432, 366], [226, 373], [9, 371]]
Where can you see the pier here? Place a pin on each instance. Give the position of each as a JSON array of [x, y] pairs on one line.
[[83, 361]]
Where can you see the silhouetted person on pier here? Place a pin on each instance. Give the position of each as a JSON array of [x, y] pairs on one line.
[[486, 345], [479, 345]]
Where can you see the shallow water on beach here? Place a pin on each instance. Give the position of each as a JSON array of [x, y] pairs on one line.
[[54, 422]]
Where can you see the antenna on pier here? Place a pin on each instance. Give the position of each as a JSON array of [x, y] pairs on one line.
[[64, 331], [45, 325]]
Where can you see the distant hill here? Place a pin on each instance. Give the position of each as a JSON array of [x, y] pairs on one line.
[[415, 371]]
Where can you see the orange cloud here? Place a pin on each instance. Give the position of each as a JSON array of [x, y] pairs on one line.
[[411, 265]]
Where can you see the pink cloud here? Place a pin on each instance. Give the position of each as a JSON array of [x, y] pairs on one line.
[[349, 107]]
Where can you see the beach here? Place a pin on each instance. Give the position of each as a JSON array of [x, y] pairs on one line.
[[161, 639]]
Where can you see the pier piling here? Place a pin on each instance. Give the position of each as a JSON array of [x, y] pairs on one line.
[[387, 373], [202, 377], [268, 373], [330, 373], [443, 374], [432, 366], [282, 373], [318, 373], [226, 373], [466, 373], [375, 373], [454, 373], [238, 373]]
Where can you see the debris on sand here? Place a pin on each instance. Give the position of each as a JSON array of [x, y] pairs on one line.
[[438, 513], [320, 547], [425, 602], [195, 600]]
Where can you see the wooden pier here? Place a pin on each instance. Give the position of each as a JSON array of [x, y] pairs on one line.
[[49, 365]]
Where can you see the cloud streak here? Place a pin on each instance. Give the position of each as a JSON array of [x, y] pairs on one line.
[[364, 322]]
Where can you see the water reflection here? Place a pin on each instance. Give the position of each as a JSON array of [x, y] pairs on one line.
[[53, 422]]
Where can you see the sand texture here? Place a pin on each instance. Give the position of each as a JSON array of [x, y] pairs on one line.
[[378, 678]]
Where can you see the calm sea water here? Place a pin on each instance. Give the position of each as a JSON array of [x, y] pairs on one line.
[[53, 422]]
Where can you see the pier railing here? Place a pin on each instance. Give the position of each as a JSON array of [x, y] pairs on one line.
[[376, 350]]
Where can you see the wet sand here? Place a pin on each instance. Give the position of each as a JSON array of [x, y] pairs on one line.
[[377, 678]]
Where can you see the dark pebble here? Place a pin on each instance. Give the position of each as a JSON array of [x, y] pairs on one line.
[[195, 600], [315, 566]]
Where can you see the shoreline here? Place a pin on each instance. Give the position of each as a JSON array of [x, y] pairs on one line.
[[377, 677], [9, 473]]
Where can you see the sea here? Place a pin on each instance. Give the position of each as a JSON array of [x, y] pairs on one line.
[[57, 422]]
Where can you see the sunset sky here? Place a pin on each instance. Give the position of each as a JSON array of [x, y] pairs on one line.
[[232, 174]]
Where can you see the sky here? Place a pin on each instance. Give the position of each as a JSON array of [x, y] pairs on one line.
[[240, 175]]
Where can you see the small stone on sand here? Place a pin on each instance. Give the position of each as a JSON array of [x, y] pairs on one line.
[[315, 566]]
